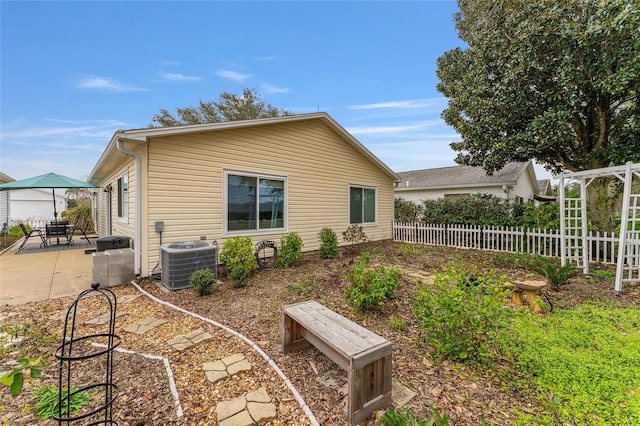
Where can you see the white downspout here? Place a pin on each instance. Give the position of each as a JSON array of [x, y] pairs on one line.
[[137, 238]]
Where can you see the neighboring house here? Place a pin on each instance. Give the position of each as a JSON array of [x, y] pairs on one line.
[[4, 200], [544, 186], [515, 181], [544, 191], [20, 205], [258, 178]]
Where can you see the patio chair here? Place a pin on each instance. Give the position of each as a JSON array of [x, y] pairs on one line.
[[59, 229], [83, 230], [28, 234]]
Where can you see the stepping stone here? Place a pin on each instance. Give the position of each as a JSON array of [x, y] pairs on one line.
[[104, 318], [401, 395], [128, 298], [145, 325], [260, 407], [424, 277], [62, 315], [256, 407], [187, 341], [7, 340], [225, 367], [8, 315]]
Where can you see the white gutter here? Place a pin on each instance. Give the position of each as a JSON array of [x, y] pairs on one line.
[[137, 237]]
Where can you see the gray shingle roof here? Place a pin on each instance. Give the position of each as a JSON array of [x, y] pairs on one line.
[[459, 176], [543, 186]]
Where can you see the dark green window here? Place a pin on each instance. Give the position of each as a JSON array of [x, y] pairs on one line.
[[362, 205]]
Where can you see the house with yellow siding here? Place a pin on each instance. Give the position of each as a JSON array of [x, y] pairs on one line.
[[259, 178]]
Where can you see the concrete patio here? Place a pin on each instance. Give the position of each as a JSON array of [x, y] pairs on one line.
[[35, 274]]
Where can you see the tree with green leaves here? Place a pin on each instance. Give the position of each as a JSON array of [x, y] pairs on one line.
[[229, 107], [558, 82]]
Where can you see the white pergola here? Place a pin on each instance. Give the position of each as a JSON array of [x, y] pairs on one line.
[[573, 223]]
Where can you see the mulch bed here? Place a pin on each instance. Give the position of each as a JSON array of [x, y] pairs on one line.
[[462, 393]]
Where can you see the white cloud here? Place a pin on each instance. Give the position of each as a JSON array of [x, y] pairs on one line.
[[233, 75], [55, 135], [170, 76], [430, 103], [273, 89], [106, 84], [368, 130], [265, 58]]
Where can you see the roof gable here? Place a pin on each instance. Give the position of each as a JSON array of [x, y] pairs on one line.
[[460, 176], [112, 155]]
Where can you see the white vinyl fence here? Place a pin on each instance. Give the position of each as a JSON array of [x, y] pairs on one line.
[[602, 247], [34, 222]]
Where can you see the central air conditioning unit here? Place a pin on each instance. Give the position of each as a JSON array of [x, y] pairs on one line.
[[179, 260]]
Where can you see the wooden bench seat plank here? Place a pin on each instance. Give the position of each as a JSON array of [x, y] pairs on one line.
[[347, 335], [365, 355]]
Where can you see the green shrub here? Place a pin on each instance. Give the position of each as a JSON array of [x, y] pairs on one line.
[[368, 288], [398, 323], [16, 231], [475, 209], [550, 268], [48, 399], [15, 379], [329, 246], [405, 211], [81, 216], [290, 249], [202, 281], [463, 316], [237, 255], [354, 234]]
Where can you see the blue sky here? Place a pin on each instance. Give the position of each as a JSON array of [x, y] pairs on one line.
[[74, 72]]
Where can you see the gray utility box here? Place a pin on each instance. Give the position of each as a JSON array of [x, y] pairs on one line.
[[112, 242], [179, 260]]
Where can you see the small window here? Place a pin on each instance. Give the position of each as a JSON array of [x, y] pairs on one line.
[[255, 202], [123, 197], [362, 205]]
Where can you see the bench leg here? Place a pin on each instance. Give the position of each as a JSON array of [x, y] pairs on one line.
[[291, 341], [369, 389]]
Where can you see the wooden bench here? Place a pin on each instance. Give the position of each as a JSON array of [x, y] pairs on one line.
[[363, 354]]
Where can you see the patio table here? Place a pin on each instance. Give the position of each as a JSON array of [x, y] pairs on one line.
[[59, 229]]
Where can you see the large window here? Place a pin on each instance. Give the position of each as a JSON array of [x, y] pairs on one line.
[[362, 205], [123, 197], [254, 202]]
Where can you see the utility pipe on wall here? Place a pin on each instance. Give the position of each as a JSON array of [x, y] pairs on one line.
[[137, 238]]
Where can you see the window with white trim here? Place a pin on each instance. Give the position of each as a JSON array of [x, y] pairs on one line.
[[254, 202], [123, 197], [362, 205]]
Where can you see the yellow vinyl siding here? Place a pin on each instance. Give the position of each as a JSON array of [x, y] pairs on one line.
[[118, 226], [185, 181]]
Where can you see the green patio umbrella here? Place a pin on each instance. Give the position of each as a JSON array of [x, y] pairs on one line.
[[50, 180]]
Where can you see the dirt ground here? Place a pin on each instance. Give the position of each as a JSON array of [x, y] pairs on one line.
[[464, 394]]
